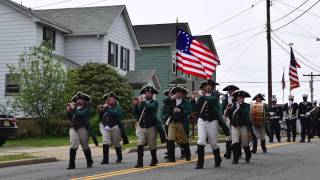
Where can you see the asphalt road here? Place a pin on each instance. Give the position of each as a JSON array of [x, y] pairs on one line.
[[294, 161]]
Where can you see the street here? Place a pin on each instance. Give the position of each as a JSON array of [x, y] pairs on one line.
[[283, 161]]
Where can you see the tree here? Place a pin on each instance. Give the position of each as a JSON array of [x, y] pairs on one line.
[[42, 86], [97, 79]]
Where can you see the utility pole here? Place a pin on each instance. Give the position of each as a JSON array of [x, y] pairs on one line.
[[311, 75], [269, 53]]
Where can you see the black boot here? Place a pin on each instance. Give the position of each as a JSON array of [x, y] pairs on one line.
[[183, 153], [87, 154], [154, 160], [227, 155], [254, 146], [119, 154], [217, 157], [72, 158], [171, 151], [105, 149], [263, 146], [236, 149], [200, 161], [248, 153], [187, 152], [140, 157]]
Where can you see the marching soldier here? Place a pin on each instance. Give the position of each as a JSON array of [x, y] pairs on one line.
[[111, 127], [79, 115], [291, 114], [259, 126], [305, 121], [314, 119], [241, 126], [227, 102], [178, 123], [147, 125], [275, 115], [209, 113], [165, 115]]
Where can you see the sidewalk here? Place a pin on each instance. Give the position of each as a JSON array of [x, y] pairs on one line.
[[60, 153]]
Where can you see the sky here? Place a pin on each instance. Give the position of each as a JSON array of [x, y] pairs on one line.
[[238, 30]]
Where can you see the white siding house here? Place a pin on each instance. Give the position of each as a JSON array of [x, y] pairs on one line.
[[80, 35]]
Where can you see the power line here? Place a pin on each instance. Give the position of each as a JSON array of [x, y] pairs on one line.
[[259, 82], [93, 3], [298, 53], [297, 17], [285, 4], [52, 4], [231, 18], [291, 11], [289, 53]]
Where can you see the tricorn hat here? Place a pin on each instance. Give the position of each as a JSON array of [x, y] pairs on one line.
[[259, 96], [166, 92], [291, 96], [111, 94], [81, 95], [230, 88], [240, 93], [179, 89], [149, 89], [208, 81]]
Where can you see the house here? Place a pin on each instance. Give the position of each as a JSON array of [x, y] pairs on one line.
[[78, 36], [158, 49]]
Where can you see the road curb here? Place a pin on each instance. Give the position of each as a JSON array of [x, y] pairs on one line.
[[27, 162], [162, 146]]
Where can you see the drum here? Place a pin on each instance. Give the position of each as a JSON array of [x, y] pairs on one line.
[[258, 114]]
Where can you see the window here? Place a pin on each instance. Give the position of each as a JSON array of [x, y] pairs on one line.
[[12, 84], [113, 54], [125, 59], [49, 36]]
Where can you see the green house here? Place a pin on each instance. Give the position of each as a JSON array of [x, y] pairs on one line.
[[157, 42]]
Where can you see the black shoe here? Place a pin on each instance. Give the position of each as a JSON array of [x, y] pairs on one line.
[[294, 140], [200, 161], [140, 157], [248, 153], [171, 151], [187, 152], [105, 150], [217, 157], [263, 146], [154, 160], [227, 155], [87, 154], [72, 158], [119, 154], [288, 140], [236, 149], [254, 146]]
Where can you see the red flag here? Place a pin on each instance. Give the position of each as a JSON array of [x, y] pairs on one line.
[[293, 72]]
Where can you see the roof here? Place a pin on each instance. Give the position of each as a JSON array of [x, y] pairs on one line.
[[84, 21], [142, 77], [158, 34], [38, 18]]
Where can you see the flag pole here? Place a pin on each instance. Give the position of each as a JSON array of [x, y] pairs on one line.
[[283, 88], [176, 51]]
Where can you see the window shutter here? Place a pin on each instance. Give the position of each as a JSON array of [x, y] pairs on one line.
[[116, 58], [128, 61], [109, 53], [121, 58]]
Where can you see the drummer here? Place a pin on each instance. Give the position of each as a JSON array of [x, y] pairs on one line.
[[259, 124]]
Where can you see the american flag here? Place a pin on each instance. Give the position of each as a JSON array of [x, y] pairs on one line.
[[193, 57], [293, 72]]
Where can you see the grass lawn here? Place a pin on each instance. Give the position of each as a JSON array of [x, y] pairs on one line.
[[14, 157]]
